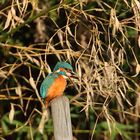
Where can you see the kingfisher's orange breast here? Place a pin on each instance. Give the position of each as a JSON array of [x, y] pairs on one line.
[[57, 88]]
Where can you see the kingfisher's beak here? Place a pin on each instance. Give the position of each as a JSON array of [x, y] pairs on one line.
[[72, 74]]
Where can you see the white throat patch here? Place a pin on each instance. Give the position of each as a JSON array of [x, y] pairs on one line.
[[65, 77]]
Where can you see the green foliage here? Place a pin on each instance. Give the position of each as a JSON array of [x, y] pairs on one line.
[[117, 129], [21, 130]]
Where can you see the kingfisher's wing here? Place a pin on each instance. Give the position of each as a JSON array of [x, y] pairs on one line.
[[46, 84]]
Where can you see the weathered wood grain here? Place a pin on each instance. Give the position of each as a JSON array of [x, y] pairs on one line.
[[61, 118]]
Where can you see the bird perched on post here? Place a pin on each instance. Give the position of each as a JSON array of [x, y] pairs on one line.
[[55, 83]]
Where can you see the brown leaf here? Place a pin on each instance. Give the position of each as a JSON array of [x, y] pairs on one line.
[[32, 82], [11, 114], [9, 17]]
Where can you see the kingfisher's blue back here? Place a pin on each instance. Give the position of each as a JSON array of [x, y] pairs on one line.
[[46, 84]]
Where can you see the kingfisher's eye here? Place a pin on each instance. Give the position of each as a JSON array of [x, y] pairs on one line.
[[68, 70]]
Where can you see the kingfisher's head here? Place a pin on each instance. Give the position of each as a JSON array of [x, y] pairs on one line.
[[64, 69]]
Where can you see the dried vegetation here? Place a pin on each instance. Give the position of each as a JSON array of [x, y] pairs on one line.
[[101, 39]]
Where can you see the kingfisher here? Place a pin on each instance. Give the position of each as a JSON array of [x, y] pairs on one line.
[[55, 83]]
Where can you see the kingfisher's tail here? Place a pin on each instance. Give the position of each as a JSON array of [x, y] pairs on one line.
[[47, 102]]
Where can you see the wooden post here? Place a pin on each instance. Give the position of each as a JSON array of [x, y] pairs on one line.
[[61, 118]]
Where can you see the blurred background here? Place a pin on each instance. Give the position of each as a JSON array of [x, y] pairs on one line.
[[101, 40]]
